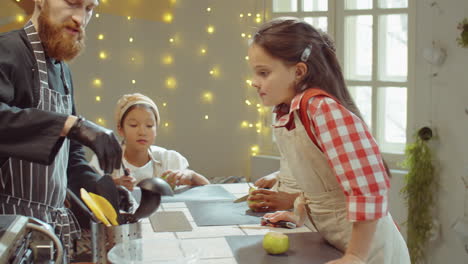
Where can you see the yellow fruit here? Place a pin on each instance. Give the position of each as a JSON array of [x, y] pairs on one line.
[[250, 203], [275, 243], [172, 185]]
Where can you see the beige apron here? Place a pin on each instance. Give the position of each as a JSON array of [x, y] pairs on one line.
[[327, 201]]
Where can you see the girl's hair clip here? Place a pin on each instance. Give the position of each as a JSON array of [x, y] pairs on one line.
[[306, 53]]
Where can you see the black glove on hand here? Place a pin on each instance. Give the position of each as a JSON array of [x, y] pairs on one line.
[[101, 140]]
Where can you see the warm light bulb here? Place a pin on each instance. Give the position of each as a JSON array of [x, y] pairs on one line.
[[18, 1], [102, 55], [98, 98], [203, 51], [100, 121], [168, 17], [250, 125], [132, 59], [164, 104], [260, 110], [258, 124], [133, 81], [129, 18], [249, 36], [241, 15], [254, 148], [246, 57], [258, 15], [20, 18], [97, 15], [210, 29], [214, 72], [208, 97], [171, 40], [100, 36], [97, 82], [249, 14], [258, 131], [249, 82], [258, 20], [166, 124], [206, 117], [167, 60], [171, 83], [130, 40], [258, 105], [243, 35], [208, 9], [244, 124], [247, 102]]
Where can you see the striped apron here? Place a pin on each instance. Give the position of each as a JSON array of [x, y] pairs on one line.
[[32, 189]]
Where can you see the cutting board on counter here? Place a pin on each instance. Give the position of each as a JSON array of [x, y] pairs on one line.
[[198, 193], [304, 248], [222, 213]]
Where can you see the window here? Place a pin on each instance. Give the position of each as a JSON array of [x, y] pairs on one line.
[[373, 46]]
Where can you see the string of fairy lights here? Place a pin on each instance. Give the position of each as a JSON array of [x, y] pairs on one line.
[[247, 20]]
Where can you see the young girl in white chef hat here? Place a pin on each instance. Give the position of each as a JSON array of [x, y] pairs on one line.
[[137, 119]]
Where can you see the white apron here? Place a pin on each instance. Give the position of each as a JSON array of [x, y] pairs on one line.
[[327, 201]]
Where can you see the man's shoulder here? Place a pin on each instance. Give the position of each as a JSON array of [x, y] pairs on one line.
[[13, 39]]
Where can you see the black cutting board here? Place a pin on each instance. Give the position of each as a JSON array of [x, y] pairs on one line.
[[199, 193], [222, 213], [304, 248]]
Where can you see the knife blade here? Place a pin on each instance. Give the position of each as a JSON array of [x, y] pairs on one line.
[[241, 199]]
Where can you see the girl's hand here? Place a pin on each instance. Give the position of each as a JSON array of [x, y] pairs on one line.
[[272, 201], [347, 259], [126, 181], [178, 177], [281, 215], [267, 181]]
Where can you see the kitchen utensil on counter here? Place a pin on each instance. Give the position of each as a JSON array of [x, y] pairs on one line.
[[82, 206], [94, 207], [106, 208], [106, 187], [103, 238], [151, 191], [241, 199]]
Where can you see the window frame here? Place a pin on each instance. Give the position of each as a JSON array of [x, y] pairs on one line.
[[335, 24]]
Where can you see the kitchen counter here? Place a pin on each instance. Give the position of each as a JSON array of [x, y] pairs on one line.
[[210, 240]]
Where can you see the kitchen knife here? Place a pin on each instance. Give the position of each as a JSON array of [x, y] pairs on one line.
[[241, 199]]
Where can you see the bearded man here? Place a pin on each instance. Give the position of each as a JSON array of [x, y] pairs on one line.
[[41, 138]]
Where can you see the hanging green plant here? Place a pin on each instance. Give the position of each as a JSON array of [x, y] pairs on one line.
[[462, 40], [419, 192]]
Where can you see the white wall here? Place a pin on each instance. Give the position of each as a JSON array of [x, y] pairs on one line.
[[446, 109], [214, 147]]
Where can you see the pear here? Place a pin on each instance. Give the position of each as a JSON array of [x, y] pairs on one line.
[[173, 186], [250, 203], [275, 243]]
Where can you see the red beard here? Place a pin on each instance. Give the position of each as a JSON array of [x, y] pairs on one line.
[[57, 42]]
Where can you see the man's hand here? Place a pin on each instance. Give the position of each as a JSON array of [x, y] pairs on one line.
[[271, 200], [101, 140]]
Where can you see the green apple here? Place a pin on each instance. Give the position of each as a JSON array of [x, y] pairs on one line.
[[172, 185], [250, 203], [275, 243]]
